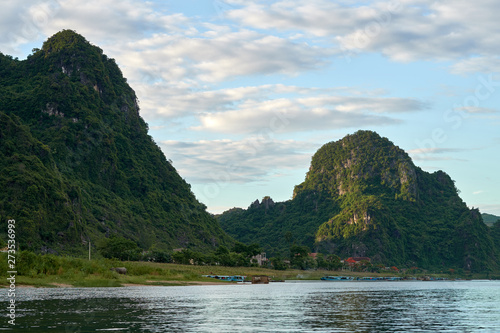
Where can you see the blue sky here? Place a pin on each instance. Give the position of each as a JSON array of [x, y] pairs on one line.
[[240, 94]]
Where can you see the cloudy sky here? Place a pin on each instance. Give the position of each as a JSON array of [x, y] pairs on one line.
[[240, 94]]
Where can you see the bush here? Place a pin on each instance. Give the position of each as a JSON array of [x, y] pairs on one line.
[[161, 256], [27, 262], [119, 248], [278, 264]]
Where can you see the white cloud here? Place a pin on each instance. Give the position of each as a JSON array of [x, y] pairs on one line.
[[490, 208], [436, 150], [306, 113], [437, 154], [402, 30], [22, 23], [252, 108], [482, 64], [103, 22], [167, 101], [173, 61], [356, 104], [211, 58], [249, 160], [163, 46], [202, 71], [110, 21], [476, 110], [320, 18]]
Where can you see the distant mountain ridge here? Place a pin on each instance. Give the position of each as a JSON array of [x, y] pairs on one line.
[[77, 163], [490, 219], [363, 196]]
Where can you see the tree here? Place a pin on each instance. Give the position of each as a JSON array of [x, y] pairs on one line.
[[221, 250], [161, 256], [321, 262], [247, 250], [184, 257], [278, 263], [333, 262], [119, 248], [298, 256]]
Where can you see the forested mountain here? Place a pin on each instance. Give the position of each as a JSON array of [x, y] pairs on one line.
[[77, 163], [363, 196], [490, 219]]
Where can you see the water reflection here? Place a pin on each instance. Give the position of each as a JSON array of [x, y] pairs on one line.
[[383, 311], [283, 307]]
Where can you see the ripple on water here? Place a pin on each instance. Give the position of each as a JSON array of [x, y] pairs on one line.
[[285, 307]]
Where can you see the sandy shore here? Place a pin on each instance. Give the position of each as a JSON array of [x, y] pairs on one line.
[[149, 283], [181, 283]]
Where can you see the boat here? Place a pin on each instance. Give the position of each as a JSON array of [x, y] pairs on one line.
[[370, 278], [337, 278], [393, 278], [233, 278]]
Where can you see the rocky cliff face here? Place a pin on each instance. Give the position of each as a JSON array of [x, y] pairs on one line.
[[100, 173], [363, 196], [358, 161]]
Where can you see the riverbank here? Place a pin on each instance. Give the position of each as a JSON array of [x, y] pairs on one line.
[[150, 274], [56, 272], [46, 284]]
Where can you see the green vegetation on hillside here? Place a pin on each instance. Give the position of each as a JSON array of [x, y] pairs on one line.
[[77, 163], [60, 271], [490, 219], [277, 226], [364, 197], [495, 233]]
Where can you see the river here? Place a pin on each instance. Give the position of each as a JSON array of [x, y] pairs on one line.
[[293, 306]]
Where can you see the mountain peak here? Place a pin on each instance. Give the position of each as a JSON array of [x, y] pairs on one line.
[[68, 54], [363, 133], [83, 166], [361, 162], [364, 197], [65, 39]]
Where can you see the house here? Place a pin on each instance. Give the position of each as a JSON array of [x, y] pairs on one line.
[[259, 258], [313, 255], [351, 261]]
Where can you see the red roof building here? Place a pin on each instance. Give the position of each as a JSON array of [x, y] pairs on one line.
[[355, 260]]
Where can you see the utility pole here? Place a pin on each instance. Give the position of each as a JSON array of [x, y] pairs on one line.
[[89, 250]]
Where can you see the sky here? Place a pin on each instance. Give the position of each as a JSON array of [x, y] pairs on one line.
[[240, 94]]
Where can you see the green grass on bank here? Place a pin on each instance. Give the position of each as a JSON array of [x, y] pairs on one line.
[[56, 271]]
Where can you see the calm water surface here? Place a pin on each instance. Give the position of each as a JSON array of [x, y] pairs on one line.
[[400, 306]]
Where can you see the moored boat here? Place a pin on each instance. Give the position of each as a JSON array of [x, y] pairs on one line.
[[337, 278], [370, 278], [393, 278], [233, 278]]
